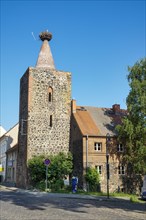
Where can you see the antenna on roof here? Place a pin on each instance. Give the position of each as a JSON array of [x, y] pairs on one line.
[[33, 35]]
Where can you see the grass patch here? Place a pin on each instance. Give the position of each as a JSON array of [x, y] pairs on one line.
[[133, 198], [136, 199], [120, 195]]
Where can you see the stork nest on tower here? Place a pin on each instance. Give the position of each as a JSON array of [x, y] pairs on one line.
[[45, 36]]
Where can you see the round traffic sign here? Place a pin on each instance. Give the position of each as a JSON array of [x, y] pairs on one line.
[[47, 162]]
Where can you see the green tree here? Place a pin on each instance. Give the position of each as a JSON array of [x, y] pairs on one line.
[[60, 167], [92, 178], [132, 132]]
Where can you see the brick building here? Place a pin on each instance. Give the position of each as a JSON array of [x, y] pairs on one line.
[[89, 129]]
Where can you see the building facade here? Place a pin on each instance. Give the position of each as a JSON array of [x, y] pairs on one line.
[[45, 109], [8, 141], [89, 129], [11, 162]]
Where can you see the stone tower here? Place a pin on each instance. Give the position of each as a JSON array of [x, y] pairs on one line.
[[44, 114]]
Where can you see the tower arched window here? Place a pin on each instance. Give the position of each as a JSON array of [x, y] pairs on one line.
[[50, 94]]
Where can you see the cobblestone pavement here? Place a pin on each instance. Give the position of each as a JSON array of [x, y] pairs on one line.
[[24, 205]]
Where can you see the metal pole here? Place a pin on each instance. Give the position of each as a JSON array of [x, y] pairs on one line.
[[107, 163], [46, 177], [107, 167], [86, 152], [87, 160]]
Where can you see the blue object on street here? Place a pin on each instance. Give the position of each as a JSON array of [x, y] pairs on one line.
[[74, 184]]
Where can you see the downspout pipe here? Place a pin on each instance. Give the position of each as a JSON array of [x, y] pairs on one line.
[[86, 152]]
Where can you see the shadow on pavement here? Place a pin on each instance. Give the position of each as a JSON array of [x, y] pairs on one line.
[[41, 201]]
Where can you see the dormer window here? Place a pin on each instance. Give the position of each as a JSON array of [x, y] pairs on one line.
[[50, 94], [120, 148]]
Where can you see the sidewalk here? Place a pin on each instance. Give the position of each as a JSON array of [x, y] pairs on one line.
[[62, 195]]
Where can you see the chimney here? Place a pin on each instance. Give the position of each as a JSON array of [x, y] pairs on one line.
[[73, 106], [116, 108]]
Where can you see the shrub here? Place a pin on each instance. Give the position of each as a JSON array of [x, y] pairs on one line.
[[36, 169], [60, 167], [92, 178], [41, 185], [58, 185]]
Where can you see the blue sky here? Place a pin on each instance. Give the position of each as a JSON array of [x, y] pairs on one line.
[[94, 40]]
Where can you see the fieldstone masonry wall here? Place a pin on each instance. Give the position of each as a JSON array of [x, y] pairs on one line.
[[43, 136], [21, 174]]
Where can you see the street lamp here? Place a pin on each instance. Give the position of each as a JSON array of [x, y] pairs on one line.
[[87, 188], [107, 162]]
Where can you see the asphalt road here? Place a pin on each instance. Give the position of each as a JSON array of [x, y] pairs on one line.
[[22, 205]]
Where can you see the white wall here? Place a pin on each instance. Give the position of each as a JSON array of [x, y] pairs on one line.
[[7, 141], [2, 131]]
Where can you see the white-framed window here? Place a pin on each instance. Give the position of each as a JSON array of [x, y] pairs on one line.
[[121, 170], [120, 148], [99, 169], [98, 146]]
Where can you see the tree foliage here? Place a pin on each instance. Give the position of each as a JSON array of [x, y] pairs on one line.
[[92, 178], [132, 132], [60, 166]]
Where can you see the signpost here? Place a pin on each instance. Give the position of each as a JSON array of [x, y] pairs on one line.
[[47, 163]]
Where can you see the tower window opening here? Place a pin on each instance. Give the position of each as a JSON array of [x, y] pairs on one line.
[[50, 97], [50, 93], [51, 121]]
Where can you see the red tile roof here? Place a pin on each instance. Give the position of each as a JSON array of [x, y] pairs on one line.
[[98, 121], [85, 122]]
